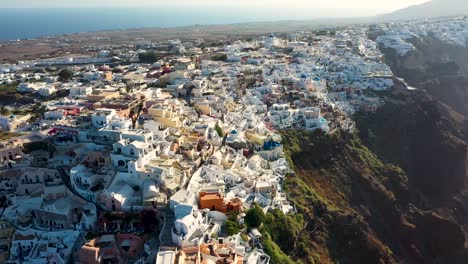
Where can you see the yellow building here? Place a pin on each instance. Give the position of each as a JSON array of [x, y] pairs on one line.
[[256, 138], [204, 108], [165, 117], [95, 97]]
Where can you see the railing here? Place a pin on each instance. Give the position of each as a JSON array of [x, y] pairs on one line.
[[82, 186], [65, 142]]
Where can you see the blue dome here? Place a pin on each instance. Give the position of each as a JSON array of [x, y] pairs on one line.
[[317, 79], [303, 76], [272, 35]]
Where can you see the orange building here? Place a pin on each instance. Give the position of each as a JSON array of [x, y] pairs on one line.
[[215, 201], [235, 205], [212, 201]]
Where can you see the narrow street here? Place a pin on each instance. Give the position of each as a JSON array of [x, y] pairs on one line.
[[166, 231], [67, 181]]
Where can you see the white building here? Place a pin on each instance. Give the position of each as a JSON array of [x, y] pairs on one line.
[[101, 117], [80, 90]]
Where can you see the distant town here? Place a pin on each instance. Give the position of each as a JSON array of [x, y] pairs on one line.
[[164, 152]]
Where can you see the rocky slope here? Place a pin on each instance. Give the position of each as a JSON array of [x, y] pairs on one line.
[[423, 136], [434, 8], [437, 67], [359, 208], [395, 191]]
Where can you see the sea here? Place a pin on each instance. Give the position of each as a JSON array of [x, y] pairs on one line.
[[27, 23]]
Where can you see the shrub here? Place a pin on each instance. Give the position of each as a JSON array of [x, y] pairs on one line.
[[219, 57], [232, 227], [148, 57], [66, 74], [255, 216], [219, 130]]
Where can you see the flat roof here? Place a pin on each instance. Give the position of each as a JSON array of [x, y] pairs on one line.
[[211, 196], [165, 257]]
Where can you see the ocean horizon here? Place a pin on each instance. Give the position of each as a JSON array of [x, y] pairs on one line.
[[28, 23]]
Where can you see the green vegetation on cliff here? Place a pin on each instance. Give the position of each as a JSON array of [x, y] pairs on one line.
[[337, 181], [278, 230], [358, 208]]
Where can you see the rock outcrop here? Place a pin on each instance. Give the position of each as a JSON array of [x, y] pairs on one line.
[[361, 209]]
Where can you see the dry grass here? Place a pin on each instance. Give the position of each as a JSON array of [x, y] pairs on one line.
[[5, 135]]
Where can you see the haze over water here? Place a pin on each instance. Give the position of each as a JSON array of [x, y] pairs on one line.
[[22, 23], [36, 18]]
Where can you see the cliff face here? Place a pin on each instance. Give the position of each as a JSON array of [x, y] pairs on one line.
[[359, 209], [396, 191], [423, 136], [437, 67], [428, 139]]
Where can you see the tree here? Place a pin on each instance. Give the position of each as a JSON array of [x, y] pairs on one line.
[[38, 110], [232, 227], [219, 57], [219, 130], [4, 111], [148, 57], [255, 216], [137, 112], [66, 74], [62, 93]]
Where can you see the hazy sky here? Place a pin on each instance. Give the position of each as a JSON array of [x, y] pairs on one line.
[[361, 7]]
